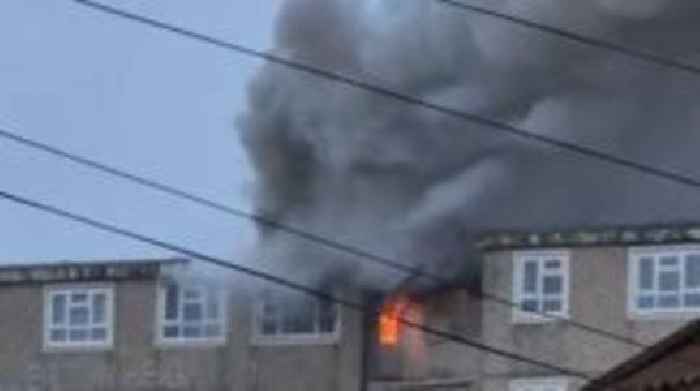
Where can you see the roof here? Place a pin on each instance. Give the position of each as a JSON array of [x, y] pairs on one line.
[[677, 233], [82, 271], [91, 262], [683, 337]]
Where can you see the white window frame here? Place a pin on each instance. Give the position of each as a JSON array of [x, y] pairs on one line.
[[539, 384], [519, 258], [54, 290], [634, 256], [181, 340], [315, 338]]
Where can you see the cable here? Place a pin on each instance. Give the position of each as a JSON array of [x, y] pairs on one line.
[[106, 227], [406, 98], [317, 239], [639, 54]]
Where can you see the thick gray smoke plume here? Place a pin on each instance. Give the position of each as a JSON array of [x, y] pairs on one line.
[[410, 183]]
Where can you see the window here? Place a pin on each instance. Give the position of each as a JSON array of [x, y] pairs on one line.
[[294, 319], [540, 285], [191, 314], [542, 384], [665, 280], [78, 317]]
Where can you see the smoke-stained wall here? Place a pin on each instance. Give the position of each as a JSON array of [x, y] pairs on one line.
[[409, 183]]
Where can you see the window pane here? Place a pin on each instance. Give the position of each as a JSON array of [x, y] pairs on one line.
[[78, 335], [98, 308], [298, 317], [669, 261], [193, 293], [98, 334], [78, 316], [192, 332], [270, 307], [669, 301], [692, 271], [172, 300], [669, 281], [692, 300], [646, 273], [269, 326], [192, 312], [58, 309], [530, 277], [328, 313], [552, 264], [79, 298], [58, 335], [552, 306], [529, 306], [645, 302], [213, 305], [552, 285], [171, 331]]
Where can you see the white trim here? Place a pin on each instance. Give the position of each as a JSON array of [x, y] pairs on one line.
[[634, 255], [181, 341], [67, 289], [539, 383], [523, 317], [259, 339]]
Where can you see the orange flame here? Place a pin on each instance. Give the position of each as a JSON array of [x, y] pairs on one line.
[[389, 326]]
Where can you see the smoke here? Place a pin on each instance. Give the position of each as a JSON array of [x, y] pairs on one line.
[[415, 185]]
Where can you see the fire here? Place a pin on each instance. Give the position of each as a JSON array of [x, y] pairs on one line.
[[389, 325]]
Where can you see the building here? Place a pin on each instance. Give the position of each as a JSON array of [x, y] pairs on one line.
[[161, 325], [587, 300], [672, 364], [607, 294]]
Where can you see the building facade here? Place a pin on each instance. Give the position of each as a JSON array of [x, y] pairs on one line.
[[584, 300], [158, 325]]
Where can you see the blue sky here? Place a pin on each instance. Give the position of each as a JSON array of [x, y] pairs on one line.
[[140, 99]]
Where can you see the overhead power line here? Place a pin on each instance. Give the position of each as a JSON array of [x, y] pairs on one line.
[[639, 54], [113, 229], [294, 231], [357, 83]]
